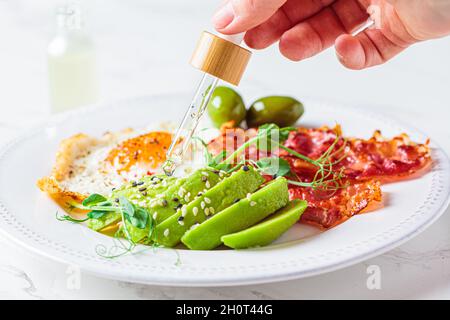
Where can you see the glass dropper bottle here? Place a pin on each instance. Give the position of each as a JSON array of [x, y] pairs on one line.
[[71, 61], [220, 58]]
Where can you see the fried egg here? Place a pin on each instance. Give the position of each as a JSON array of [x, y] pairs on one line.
[[86, 164]]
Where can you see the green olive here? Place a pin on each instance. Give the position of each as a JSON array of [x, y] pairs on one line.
[[226, 105], [283, 111]]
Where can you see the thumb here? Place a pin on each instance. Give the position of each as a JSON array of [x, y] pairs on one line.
[[237, 16]]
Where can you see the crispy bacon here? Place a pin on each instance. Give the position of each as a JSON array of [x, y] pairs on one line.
[[365, 165], [328, 209], [375, 158]]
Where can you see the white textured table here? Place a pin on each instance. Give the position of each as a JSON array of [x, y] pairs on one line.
[[143, 48]]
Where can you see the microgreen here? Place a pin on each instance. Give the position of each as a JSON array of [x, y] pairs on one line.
[[118, 249], [66, 217], [140, 218], [127, 206], [95, 214], [93, 199], [99, 206], [130, 214], [270, 137], [274, 166]]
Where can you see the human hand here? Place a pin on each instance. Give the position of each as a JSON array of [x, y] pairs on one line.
[[306, 27]]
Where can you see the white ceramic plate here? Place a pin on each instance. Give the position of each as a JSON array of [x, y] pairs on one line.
[[28, 216]]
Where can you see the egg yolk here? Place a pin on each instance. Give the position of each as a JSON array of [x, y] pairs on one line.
[[149, 149]]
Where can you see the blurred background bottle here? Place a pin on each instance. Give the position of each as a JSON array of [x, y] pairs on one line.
[[71, 62]]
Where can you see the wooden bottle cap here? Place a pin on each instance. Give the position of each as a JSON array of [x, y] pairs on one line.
[[220, 58]]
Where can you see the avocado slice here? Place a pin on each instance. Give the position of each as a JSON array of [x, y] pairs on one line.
[[165, 204], [145, 188], [239, 216], [140, 192], [235, 187], [160, 195], [184, 191], [268, 230]]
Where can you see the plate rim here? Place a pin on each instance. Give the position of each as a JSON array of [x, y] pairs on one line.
[[175, 281]]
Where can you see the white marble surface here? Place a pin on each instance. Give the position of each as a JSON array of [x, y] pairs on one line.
[[143, 48]]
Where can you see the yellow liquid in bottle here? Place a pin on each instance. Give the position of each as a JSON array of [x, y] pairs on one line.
[[72, 69]]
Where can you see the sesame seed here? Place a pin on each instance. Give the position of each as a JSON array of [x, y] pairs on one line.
[[252, 203], [164, 203], [184, 211], [194, 226], [202, 205], [236, 200], [207, 184], [206, 211], [142, 189], [249, 195], [207, 200], [205, 173], [154, 204], [186, 198], [140, 183], [212, 210], [195, 211], [199, 194], [175, 199], [155, 215], [134, 184], [166, 233], [204, 178], [180, 221]]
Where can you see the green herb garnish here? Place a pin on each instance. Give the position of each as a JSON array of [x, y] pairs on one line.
[[271, 137], [98, 206]]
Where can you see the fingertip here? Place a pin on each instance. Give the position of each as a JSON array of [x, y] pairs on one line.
[[350, 52]]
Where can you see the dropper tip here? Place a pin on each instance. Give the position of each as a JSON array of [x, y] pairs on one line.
[[169, 167]]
